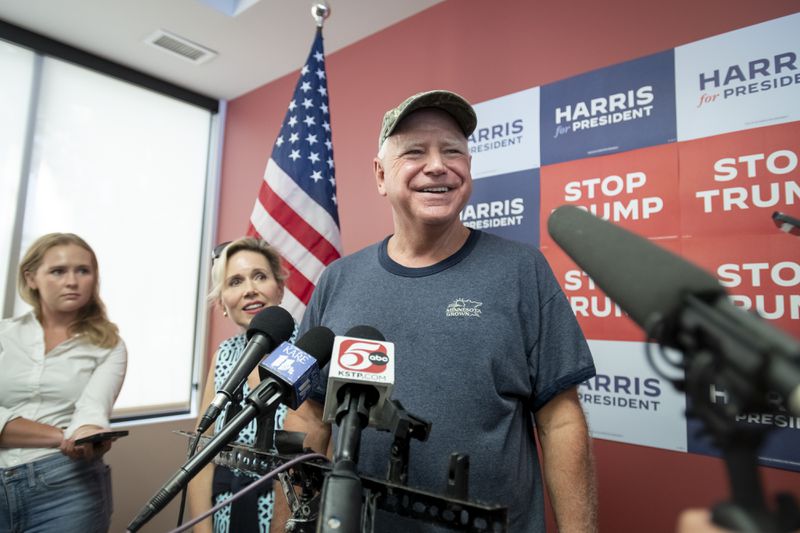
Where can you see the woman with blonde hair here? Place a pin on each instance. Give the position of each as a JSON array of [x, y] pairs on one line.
[[246, 277], [63, 367]]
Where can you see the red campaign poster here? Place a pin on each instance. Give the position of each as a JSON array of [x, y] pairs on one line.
[[637, 190], [731, 184], [599, 317], [759, 272]]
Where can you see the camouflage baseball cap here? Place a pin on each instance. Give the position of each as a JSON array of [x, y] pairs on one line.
[[447, 101]]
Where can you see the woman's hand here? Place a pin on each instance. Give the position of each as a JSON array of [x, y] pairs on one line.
[[86, 451]]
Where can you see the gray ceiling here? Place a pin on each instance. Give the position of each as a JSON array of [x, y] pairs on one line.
[[264, 42]]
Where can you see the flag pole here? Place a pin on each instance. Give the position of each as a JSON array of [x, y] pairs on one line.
[[320, 11], [296, 207]]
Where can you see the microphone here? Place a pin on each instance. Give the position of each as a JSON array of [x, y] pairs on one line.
[[681, 305], [360, 379], [268, 328], [786, 223], [362, 359], [297, 366], [288, 380]]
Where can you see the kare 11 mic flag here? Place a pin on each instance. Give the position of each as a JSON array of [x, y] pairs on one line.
[[296, 209]]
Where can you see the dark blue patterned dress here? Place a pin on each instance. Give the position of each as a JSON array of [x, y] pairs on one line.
[[228, 354]]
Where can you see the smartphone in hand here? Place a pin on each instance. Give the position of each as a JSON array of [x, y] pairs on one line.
[[100, 437]]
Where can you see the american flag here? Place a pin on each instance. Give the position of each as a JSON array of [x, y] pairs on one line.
[[296, 206]]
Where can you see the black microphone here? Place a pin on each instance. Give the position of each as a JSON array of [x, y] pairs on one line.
[[361, 375], [787, 223], [646, 281], [679, 304], [360, 381], [288, 383], [267, 329]]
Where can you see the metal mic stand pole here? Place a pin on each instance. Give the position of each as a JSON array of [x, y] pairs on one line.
[[340, 507]]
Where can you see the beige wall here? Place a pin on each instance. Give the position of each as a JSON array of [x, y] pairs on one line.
[[140, 464]]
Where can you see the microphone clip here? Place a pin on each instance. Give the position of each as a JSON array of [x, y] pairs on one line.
[[404, 426], [357, 398]]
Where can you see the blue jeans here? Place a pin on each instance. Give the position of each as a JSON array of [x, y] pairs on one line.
[[56, 493]]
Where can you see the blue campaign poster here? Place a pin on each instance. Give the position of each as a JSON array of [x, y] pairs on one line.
[[610, 110], [506, 205]]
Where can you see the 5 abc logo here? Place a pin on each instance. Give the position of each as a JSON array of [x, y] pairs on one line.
[[363, 356]]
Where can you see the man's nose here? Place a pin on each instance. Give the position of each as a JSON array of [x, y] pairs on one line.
[[435, 163]]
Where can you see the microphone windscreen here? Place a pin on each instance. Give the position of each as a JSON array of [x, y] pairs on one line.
[[365, 332], [274, 322], [646, 281], [317, 342]]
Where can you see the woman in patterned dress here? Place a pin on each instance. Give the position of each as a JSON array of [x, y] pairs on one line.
[[247, 276]]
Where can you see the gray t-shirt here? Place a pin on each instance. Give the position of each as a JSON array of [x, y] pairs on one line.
[[482, 340]]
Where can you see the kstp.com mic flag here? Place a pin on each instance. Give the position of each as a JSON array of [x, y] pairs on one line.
[[296, 209], [360, 361]]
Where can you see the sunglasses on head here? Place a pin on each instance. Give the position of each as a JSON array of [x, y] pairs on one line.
[[218, 249]]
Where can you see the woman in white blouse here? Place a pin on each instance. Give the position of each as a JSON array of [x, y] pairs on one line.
[[62, 365]]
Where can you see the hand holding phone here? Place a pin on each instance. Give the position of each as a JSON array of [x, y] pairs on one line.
[[97, 438]]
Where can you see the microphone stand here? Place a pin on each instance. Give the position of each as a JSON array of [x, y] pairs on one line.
[[719, 354], [261, 400], [404, 426], [232, 410], [340, 506]]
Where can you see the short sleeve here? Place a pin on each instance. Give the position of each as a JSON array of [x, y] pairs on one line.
[[560, 358]]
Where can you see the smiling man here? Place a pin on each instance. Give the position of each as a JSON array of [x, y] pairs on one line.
[[485, 339]]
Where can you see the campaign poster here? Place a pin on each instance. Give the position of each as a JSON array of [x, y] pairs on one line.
[[598, 315], [747, 78], [622, 107], [637, 190], [781, 445], [506, 139], [629, 401], [506, 205], [760, 273], [732, 184]]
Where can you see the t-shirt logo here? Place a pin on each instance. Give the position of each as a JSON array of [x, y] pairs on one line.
[[464, 307]]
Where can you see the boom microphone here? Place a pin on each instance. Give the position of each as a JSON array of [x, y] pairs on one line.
[[268, 328], [290, 371], [679, 304], [645, 280]]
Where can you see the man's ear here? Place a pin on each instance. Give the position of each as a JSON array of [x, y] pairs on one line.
[[380, 175]]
